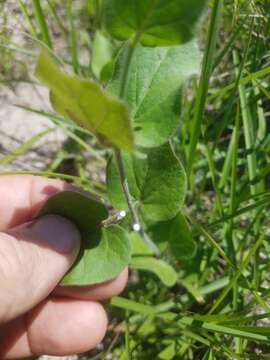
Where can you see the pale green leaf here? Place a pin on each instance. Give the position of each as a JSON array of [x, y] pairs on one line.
[[86, 103], [159, 267], [105, 252], [154, 22], [135, 306], [156, 78]]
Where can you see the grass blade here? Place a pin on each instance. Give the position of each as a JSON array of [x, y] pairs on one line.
[[207, 65]]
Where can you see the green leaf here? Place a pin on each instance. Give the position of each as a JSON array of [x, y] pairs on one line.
[[130, 305], [251, 333], [157, 184], [254, 334], [168, 353], [102, 54], [85, 102], [153, 22], [178, 235], [105, 261], [159, 267], [154, 89], [138, 246], [105, 252]]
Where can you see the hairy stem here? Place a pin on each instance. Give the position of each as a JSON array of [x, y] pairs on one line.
[[133, 211], [124, 183], [119, 158]]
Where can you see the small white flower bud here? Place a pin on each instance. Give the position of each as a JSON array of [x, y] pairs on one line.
[[136, 227], [122, 214]]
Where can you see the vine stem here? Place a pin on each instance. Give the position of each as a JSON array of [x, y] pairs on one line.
[[126, 72], [119, 157], [133, 211], [124, 183]]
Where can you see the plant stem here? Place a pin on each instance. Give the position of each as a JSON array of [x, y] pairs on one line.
[[124, 183], [117, 152], [134, 215], [126, 72], [119, 158]]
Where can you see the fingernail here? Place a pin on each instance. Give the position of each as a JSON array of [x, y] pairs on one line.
[[55, 232]]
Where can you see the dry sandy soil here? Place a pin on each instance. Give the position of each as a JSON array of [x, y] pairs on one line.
[[17, 126]]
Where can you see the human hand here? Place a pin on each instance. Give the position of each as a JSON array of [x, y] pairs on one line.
[[36, 315]]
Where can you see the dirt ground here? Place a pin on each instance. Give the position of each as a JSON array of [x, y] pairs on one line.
[[17, 126]]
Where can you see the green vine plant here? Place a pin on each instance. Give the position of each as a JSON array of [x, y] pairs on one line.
[[133, 106]]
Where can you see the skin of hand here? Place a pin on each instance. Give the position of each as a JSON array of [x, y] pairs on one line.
[[37, 316]]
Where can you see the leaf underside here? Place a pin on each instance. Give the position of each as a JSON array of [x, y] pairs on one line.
[[86, 103], [105, 252], [159, 267]]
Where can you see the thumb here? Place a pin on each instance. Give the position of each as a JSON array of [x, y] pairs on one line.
[[33, 259]]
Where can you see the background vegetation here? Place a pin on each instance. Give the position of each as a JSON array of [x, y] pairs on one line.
[[220, 307]]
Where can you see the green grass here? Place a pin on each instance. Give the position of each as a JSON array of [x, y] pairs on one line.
[[225, 144]]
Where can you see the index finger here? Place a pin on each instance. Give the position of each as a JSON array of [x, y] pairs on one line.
[[21, 197]]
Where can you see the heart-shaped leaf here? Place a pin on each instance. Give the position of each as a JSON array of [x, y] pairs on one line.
[[85, 102], [153, 22], [154, 89], [157, 184], [177, 235], [105, 252], [159, 267]]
